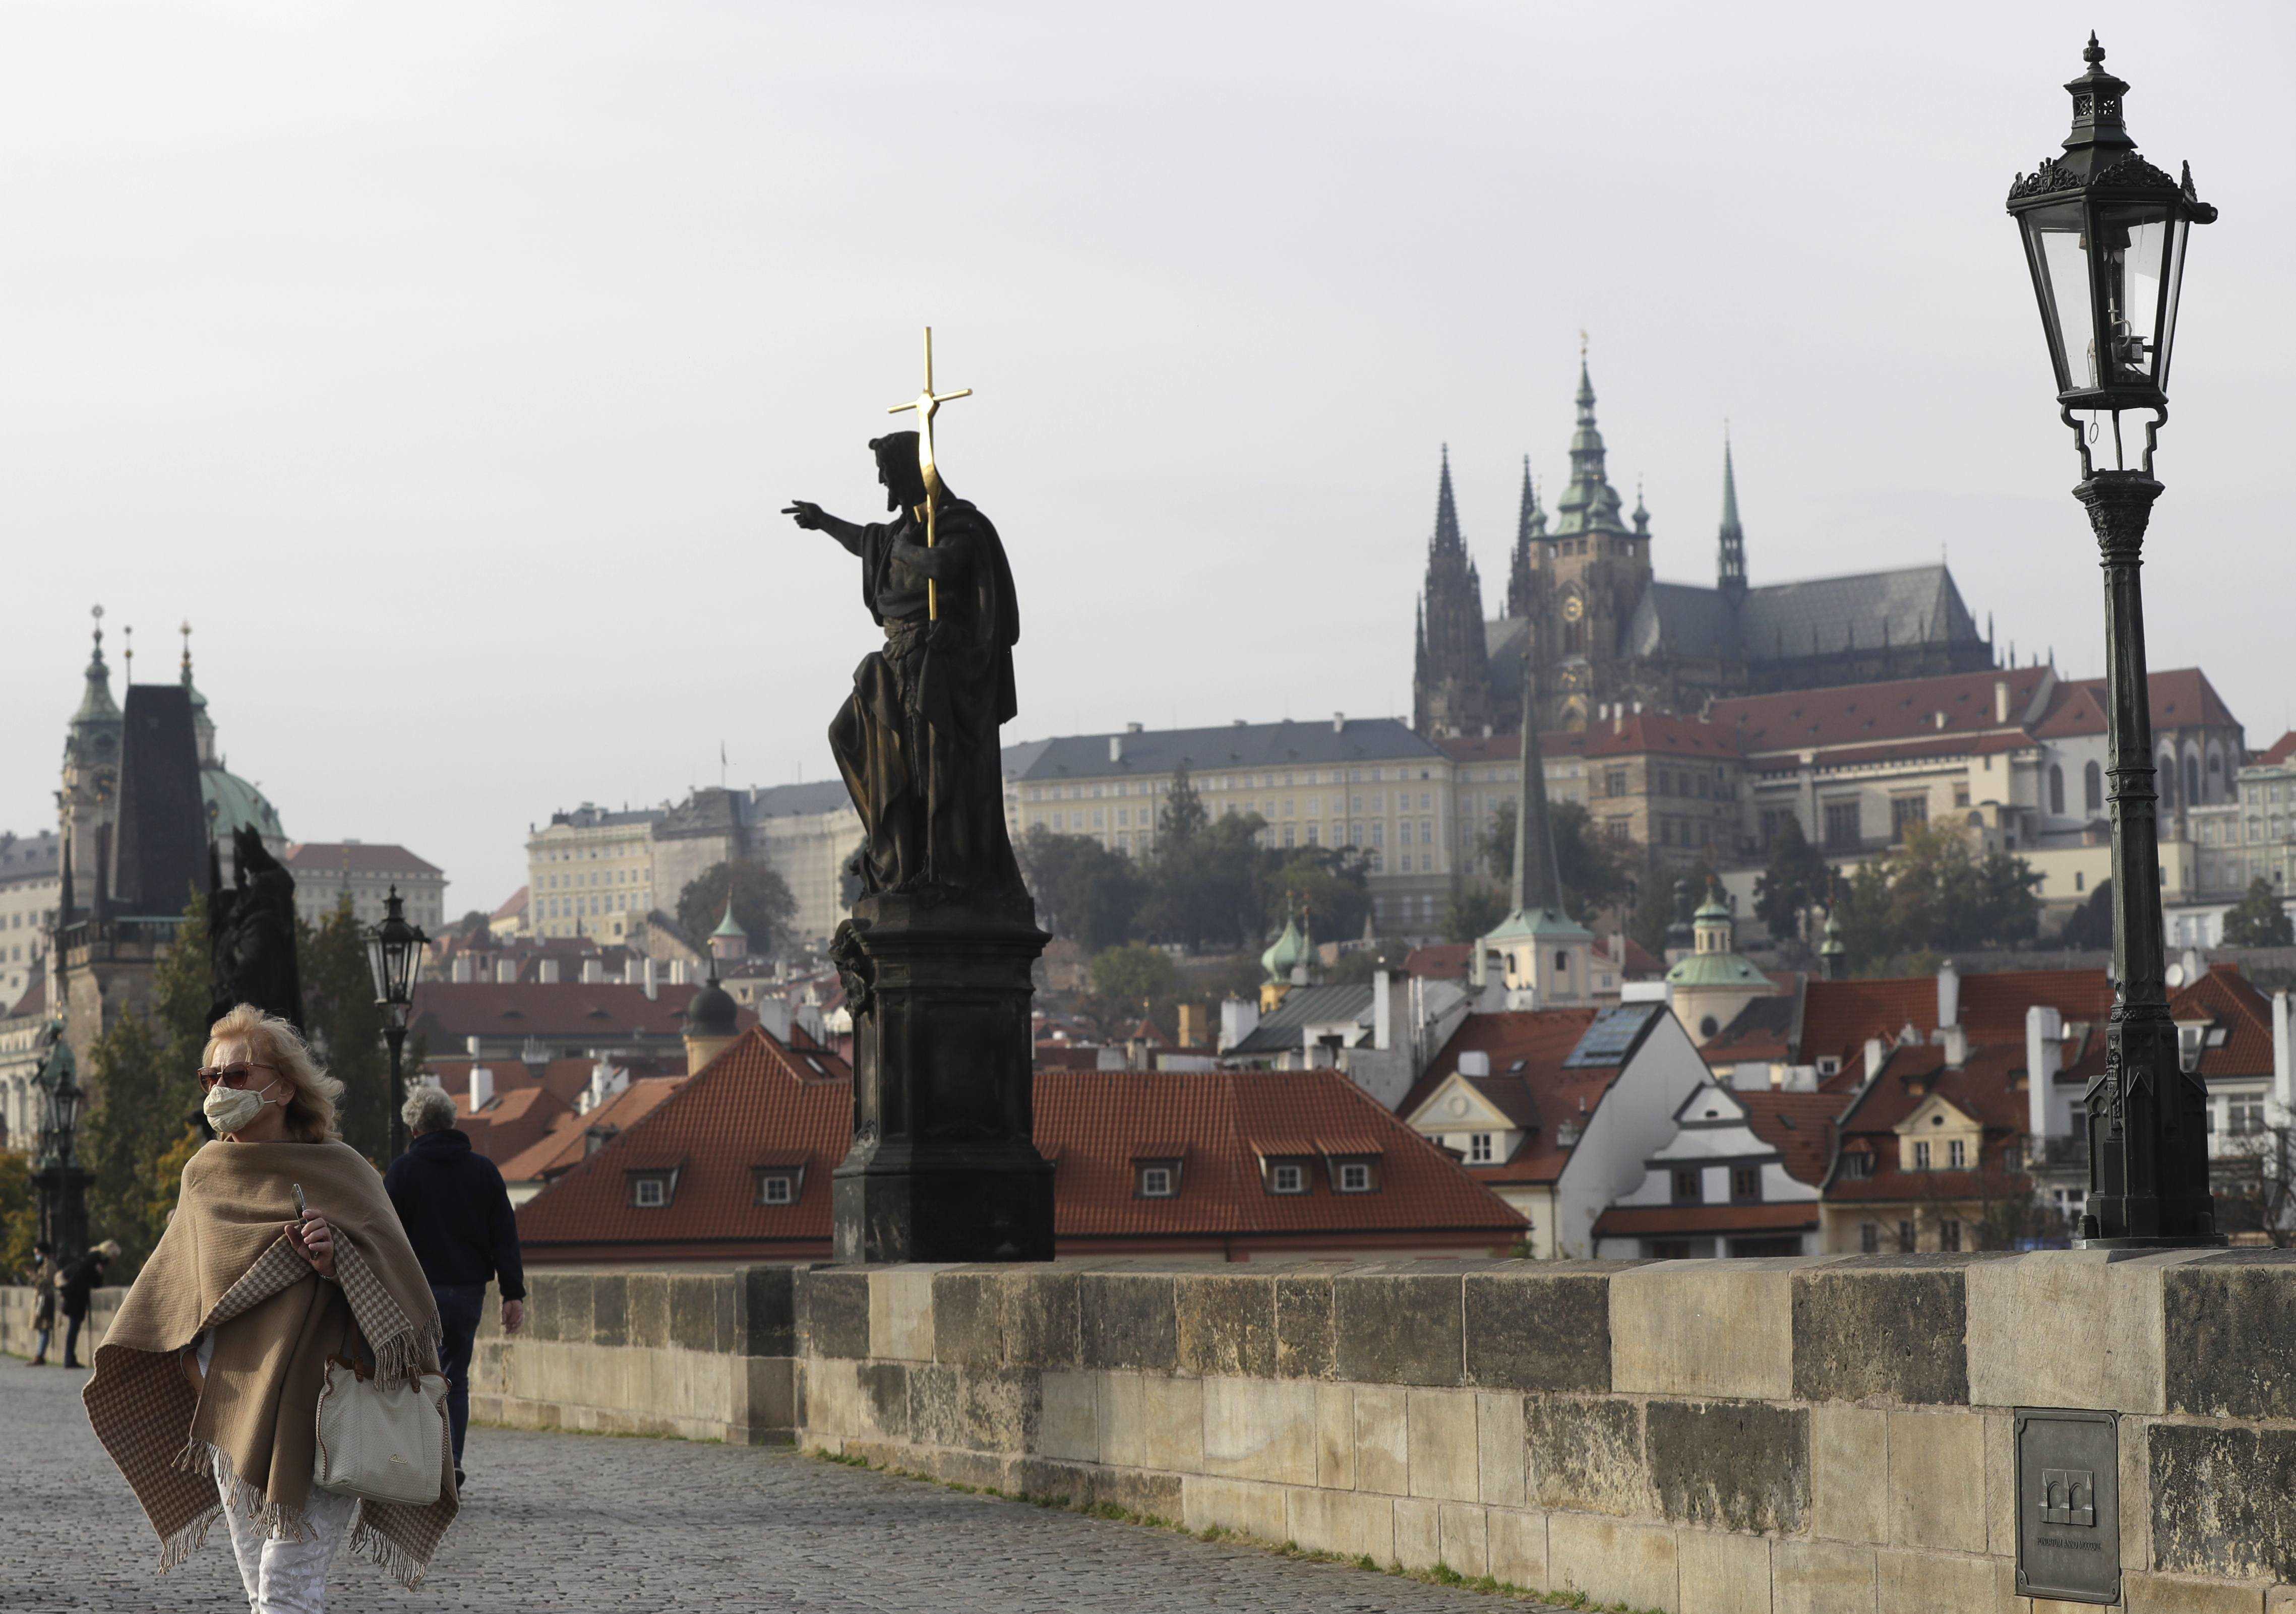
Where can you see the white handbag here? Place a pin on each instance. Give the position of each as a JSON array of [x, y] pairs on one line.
[[381, 1443]]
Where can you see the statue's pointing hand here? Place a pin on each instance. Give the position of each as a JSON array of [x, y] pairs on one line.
[[807, 514]]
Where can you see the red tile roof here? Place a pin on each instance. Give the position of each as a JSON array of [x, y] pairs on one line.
[[1839, 1015], [513, 906], [354, 857], [567, 1143], [1529, 1084], [603, 1013], [2280, 750], [513, 1122], [1984, 1088], [1440, 961], [1861, 714], [2181, 697], [1631, 734], [1799, 1126], [757, 1103]]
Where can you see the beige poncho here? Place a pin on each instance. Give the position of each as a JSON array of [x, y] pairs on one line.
[[225, 1265]]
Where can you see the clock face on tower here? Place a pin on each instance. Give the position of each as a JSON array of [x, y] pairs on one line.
[[1574, 607]]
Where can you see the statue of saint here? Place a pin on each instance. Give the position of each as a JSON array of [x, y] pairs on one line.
[[251, 932], [917, 741]]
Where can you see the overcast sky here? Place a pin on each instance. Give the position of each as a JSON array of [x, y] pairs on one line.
[[447, 365]]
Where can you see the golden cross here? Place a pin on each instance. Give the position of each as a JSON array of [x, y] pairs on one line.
[[926, 404]]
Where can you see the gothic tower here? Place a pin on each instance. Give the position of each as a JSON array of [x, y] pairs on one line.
[[1530, 544], [88, 801], [1451, 692], [1732, 562], [1599, 567]]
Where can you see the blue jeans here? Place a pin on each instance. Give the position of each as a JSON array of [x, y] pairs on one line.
[[459, 1306]]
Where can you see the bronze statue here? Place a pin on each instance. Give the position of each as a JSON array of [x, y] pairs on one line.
[[917, 739], [251, 932]]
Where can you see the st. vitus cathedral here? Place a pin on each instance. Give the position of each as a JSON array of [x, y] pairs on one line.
[[1582, 602]]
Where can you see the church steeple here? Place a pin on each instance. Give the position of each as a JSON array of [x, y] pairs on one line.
[[1451, 693], [1591, 505], [1544, 957], [1733, 537], [1529, 530]]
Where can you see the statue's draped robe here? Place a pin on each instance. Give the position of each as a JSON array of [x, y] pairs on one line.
[[917, 742]]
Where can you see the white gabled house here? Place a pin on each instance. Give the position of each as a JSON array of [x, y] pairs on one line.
[[1740, 1175]]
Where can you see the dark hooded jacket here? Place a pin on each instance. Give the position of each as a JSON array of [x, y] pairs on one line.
[[457, 1213]]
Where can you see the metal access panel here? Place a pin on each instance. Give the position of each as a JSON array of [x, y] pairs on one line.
[[2068, 1505]]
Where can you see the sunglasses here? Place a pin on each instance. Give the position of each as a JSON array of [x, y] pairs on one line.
[[230, 1076]]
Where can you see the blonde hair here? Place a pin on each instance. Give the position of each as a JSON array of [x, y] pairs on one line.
[[274, 1042]]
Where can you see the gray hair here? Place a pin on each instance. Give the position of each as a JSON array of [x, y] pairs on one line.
[[428, 1109]]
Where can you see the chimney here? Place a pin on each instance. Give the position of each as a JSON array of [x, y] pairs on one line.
[[2283, 1064], [1338, 723], [1619, 719], [482, 1088], [470, 1045], [2044, 1052], [1382, 1015], [1876, 1052], [2001, 700], [1957, 1047], [547, 972], [678, 973], [1949, 997], [593, 971], [1239, 1019], [652, 985], [1116, 747], [773, 1015], [505, 970], [1475, 1062], [461, 974]]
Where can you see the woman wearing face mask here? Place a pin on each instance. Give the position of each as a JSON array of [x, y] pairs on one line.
[[206, 1387]]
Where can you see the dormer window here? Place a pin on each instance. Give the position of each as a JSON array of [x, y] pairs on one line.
[[777, 1184], [1159, 1180], [1287, 1176], [651, 1190], [1479, 1148], [1355, 1177], [1858, 1163]]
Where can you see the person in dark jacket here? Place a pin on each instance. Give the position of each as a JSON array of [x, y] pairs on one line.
[[457, 1215], [77, 1282], [45, 1267]]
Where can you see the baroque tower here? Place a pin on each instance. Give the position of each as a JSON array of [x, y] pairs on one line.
[[1451, 693], [89, 798], [1597, 569]]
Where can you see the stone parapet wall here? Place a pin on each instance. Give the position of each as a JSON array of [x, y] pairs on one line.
[[18, 1339], [1789, 1435]]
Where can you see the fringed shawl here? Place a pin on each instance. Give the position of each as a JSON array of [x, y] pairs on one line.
[[224, 1268]]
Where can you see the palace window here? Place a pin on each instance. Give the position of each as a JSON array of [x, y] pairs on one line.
[[1956, 1155], [1843, 828], [1908, 812], [1745, 1182], [1689, 1187]]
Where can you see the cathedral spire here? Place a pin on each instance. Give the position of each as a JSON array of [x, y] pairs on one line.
[[1447, 510], [1733, 537], [1452, 689], [1529, 528], [1590, 505]]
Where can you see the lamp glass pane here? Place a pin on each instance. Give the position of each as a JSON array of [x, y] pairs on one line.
[[2175, 281], [376, 964], [2062, 252], [2131, 260]]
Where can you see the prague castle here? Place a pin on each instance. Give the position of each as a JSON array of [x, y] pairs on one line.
[[1582, 602]]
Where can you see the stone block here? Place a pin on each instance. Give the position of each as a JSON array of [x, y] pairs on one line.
[[1731, 1465], [1341, 1521], [901, 1312], [768, 1326], [1383, 1441], [1390, 1328], [1070, 1429], [1335, 1436], [610, 1310], [1499, 1447], [1443, 1444], [1518, 1547], [1123, 1413], [2231, 1325], [1226, 1326], [2001, 1486], [1418, 1533], [1850, 1472], [542, 1292], [1586, 1454], [2168, 1594], [1040, 1318], [727, 1290], [1932, 1583], [968, 1319], [1708, 1328], [1894, 1329], [1536, 1331], [1304, 1348], [2070, 1328], [1127, 1321], [885, 1392], [1612, 1560], [693, 1312], [1157, 1495], [1240, 1505], [575, 1307], [2136, 1494], [1821, 1577], [1723, 1574], [1937, 1481], [1260, 1429], [1048, 1480], [1000, 1408], [2280, 1600], [2223, 1501], [837, 1312], [1173, 1418], [1466, 1544], [646, 1297], [936, 1401]]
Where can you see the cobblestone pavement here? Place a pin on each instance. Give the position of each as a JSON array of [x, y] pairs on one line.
[[581, 1522]]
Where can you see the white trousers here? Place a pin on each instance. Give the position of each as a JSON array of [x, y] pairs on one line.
[[290, 1576]]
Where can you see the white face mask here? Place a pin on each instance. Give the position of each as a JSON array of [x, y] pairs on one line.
[[228, 1109]]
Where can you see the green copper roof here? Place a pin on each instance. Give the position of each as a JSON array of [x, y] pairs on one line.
[[232, 802], [1715, 969], [729, 926], [1286, 953], [1713, 907], [1538, 924]]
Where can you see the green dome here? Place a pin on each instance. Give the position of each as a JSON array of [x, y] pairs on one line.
[[1713, 907], [1287, 954], [729, 926], [232, 802], [1715, 969]]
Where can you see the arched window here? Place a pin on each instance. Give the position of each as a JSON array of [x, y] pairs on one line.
[[2056, 791], [2093, 787], [1562, 962], [2191, 779], [2167, 775]]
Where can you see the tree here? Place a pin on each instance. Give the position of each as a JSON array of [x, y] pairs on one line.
[[1326, 883], [1931, 893], [1594, 868], [2258, 920], [1795, 880], [1128, 982], [343, 1024], [1661, 892], [762, 905], [1474, 910], [1203, 879], [1083, 891], [474, 927], [1183, 816], [20, 1215], [2089, 927]]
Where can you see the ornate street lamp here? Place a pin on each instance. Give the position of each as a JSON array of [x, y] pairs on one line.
[[62, 1182], [2104, 235], [395, 950]]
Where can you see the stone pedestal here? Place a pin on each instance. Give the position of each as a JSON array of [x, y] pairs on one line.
[[944, 1166]]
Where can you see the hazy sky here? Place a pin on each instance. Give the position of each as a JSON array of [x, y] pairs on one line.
[[446, 365]]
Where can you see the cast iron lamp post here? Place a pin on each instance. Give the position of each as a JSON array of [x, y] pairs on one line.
[[2104, 240], [62, 1182], [394, 952]]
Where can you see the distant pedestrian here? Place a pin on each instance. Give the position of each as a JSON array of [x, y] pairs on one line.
[[75, 1285], [44, 1300], [458, 1217], [283, 1252]]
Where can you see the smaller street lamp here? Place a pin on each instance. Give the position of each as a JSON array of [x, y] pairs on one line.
[[62, 1182], [2104, 234], [395, 951]]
